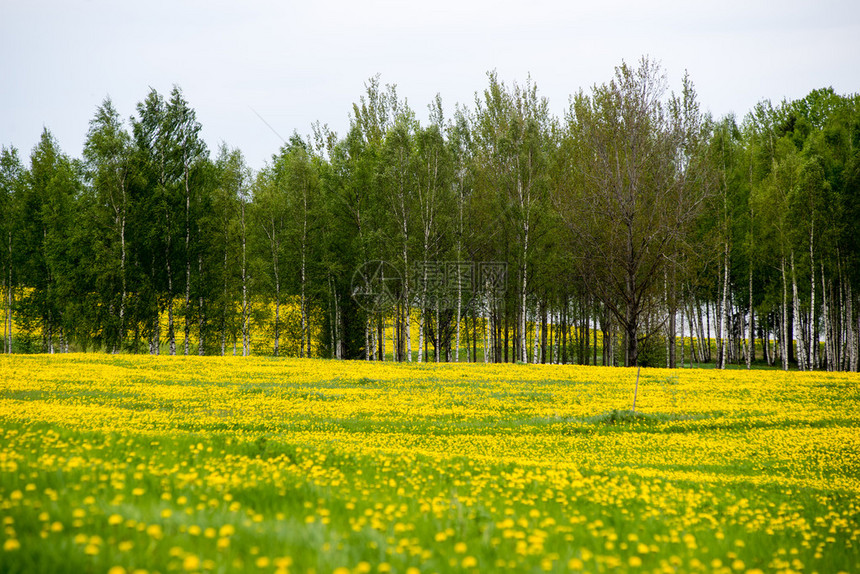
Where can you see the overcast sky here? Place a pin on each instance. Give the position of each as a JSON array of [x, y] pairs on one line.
[[298, 62]]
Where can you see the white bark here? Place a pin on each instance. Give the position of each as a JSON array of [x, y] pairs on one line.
[[422, 311], [224, 310], [784, 322], [722, 321], [751, 344], [305, 336], [798, 328], [245, 341], [437, 339], [459, 318], [828, 326], [7, 332], [187, 258], [523, 308], [812, 335], [277, 344], [683, 342], [852, 332], [171, 333], [122, 269], [201, 348], [487, 334]]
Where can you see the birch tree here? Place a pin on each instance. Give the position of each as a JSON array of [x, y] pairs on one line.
[[190, 151], [161, 160], [12, 176], [107, 151], [511, 135]]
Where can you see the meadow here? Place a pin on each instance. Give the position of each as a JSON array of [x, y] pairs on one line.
[[120, 464]]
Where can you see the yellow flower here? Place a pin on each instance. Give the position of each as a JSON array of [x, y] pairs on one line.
[[191, 562]]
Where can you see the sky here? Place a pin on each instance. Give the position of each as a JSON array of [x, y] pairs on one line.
[[294, 63]]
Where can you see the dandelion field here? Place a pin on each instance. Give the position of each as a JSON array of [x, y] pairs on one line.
[[202, 464]]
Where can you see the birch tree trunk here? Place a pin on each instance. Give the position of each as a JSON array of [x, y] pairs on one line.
[[124, 295], [277, 345], [812, 335], [751, 348], [171, 333], [201, 318], [187, 257], [437, 340], [8, 333], [305, 338], [852, 333], [487, 329], [523, 331], [226, 294], [682, 336], [722, 323], [459, 316], [784, 321], [422, 311], [245, 341], [798, 328], [383, 335], [828, 325]]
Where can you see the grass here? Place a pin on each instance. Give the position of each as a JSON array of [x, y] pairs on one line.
[[205, 464]]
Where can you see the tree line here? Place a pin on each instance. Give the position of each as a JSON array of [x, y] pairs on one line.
[[634, 229]]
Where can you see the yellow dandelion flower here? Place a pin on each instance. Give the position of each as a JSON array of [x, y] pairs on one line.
[[191, 562]]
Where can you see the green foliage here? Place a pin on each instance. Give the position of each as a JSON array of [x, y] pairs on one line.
[[98, 254]]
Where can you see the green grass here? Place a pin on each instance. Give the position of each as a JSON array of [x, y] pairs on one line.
[[317, 466]]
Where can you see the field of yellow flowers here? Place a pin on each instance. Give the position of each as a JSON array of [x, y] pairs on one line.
[[121, 464]]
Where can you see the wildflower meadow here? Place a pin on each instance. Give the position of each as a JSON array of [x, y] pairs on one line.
[[140, 464]]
